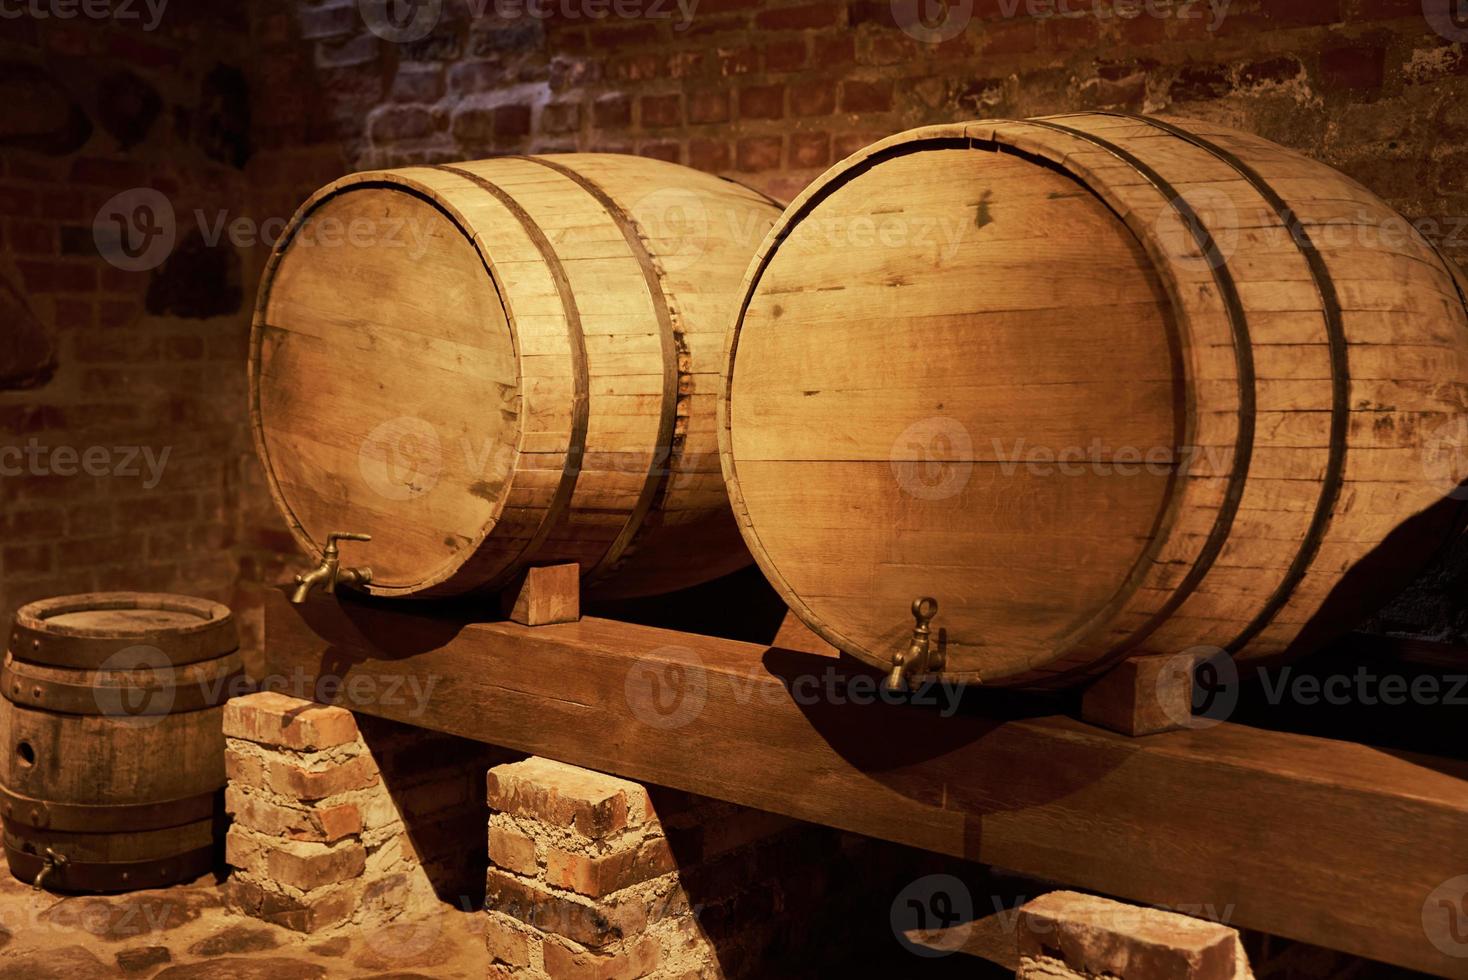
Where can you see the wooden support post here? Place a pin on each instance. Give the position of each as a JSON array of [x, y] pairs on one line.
[[1143, 695], [546, 595]]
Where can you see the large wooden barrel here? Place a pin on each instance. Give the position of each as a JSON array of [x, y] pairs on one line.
[[111, 739], [508, 362], [1103, 386]]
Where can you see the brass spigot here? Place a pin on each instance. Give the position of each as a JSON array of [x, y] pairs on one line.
[[923, 655], [329, 574], [54, 862]]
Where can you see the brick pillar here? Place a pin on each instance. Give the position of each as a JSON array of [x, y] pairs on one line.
[[1070, 936], [592, 876], [339, 819]]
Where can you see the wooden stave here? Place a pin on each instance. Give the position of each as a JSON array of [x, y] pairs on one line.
[[611, 571], [1022, 136]]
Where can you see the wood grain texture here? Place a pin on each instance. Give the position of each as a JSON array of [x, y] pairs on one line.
[[1184, 818], [114, 757], [1104, 386], [504, 362]]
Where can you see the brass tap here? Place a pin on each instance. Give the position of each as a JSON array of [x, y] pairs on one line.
[[923, 655], [54, 863], [329, 574]]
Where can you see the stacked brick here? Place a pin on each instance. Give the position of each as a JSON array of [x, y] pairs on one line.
[[339, 819], [594, 876], [1070, 936]]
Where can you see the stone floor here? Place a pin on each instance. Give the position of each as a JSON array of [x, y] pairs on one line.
[[185, 933]]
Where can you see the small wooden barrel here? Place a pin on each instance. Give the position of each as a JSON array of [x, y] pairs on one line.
[[502, 363], [111, 744], [1103, 386]]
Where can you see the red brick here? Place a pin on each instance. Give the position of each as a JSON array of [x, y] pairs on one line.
[[401, 123], [302, 915], [595, 926], [560, 117], [57, 277], [710, 156], [512, 850], [798, 18], [17, 201], [506, 943], [32, 238], [511, 121], [762, 102], [639, 960], [834, 52], [708, 107], [417, 84], [757, 153], [661, 110], [857, 96], [737, 61], [849, 143], [785, 56], [600, 876], [815, 98], [810, 149], [299, 783], [615, 112], [311, 866], [592, 804], [671, 152], [275, 719]]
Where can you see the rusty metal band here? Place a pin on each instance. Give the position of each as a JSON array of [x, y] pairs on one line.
[[121, 877], [1340, 377], [1244, 361], [660, 472], [576, 340], [49, 649], [111, 701], [27, 811]]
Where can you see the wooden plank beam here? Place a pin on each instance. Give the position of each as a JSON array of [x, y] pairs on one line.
[[1331, 843]]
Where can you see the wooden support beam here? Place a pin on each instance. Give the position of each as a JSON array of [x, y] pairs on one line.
[[1331, 843]]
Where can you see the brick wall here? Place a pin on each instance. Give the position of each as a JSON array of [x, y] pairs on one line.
[[239, 112]]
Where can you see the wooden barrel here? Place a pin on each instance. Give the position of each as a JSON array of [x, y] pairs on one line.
[[1103, 386], [508, 362], [111, 743]]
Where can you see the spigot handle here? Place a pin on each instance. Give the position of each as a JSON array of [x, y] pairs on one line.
[[332, 551], [336, 536]]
